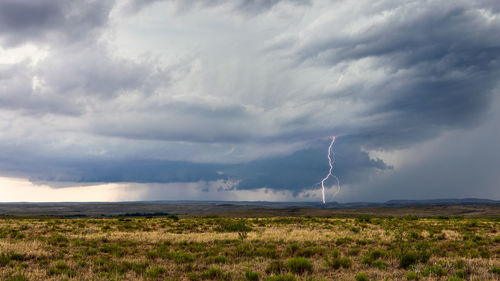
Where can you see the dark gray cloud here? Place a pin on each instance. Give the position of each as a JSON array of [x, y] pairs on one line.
[[34, 21], [72, 81], [462, 164], [206, 95], [441, 60], [293, 172], [243, 6], [17, 93]]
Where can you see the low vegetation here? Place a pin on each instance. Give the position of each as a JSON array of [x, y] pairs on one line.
[[279, 248]]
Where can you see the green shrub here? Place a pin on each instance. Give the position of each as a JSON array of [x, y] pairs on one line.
[[58, 240], [408, 259], [434, 270], [363, 218], [309, 252], [335, 253], [379, 264], [299, 265], [275, 267], [60, 268], [485, 254], [291, 249], [180, 257], [334, 263], [233, 226], [16, 257], [251, 276], [287, 277], [214, 273], [8, 258], [138, 268], [412, 276], [377, 254], [410, 217], [17, 278], [455, 278], [220, 259], [461, 273], [345, 262], [460, 264], [112, 249], [495, 270], [173, 217], [4, 259], [81, 263], [343, 241], [155, 272], [361, 277], [353, 251]]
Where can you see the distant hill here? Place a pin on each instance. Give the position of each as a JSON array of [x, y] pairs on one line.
[[434, 207], [465, 201]]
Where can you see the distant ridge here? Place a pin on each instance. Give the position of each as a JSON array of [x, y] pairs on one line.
[[328, 205], [442, 207], [465, 201]]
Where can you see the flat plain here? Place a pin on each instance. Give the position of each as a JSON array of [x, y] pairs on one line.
[[257, 244]]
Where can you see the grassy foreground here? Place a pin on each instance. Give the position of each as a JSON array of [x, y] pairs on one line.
[[212, 248]]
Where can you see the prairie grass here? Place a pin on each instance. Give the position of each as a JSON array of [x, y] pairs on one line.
[[275, 248]]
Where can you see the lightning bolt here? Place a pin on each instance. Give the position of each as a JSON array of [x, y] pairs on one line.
[[331, 161]]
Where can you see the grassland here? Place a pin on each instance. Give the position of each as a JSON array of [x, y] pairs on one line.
[[259, 248]]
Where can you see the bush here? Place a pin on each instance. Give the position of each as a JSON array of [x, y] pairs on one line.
[[275, 267], [4, 260], [156, 272], [361, 277], [309, 252], [460, 273], [380, 264], [7, 258], [338, 262], [291, 249], [335, 253], [353, 251], [299, 265], [377, 254], [17, 278], [434, 270], [455, 278], [233, 226], [408, 259], [343, 241], [214, 273], [220, 259], [173, 217], [287, 277], [251, 276], [345, 262], [495, 270], [460, 264], [363, 219], [59, 268], [412, 276], [58, 240], [181, 257]]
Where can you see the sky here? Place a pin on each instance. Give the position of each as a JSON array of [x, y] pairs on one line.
[[237, 99]]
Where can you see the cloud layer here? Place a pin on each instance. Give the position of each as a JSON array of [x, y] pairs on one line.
[[248, 92]]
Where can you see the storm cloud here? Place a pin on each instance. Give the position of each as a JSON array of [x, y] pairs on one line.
[[52, 21], [248, 92]]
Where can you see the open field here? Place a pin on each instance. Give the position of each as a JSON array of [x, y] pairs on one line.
[[258, 248]]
